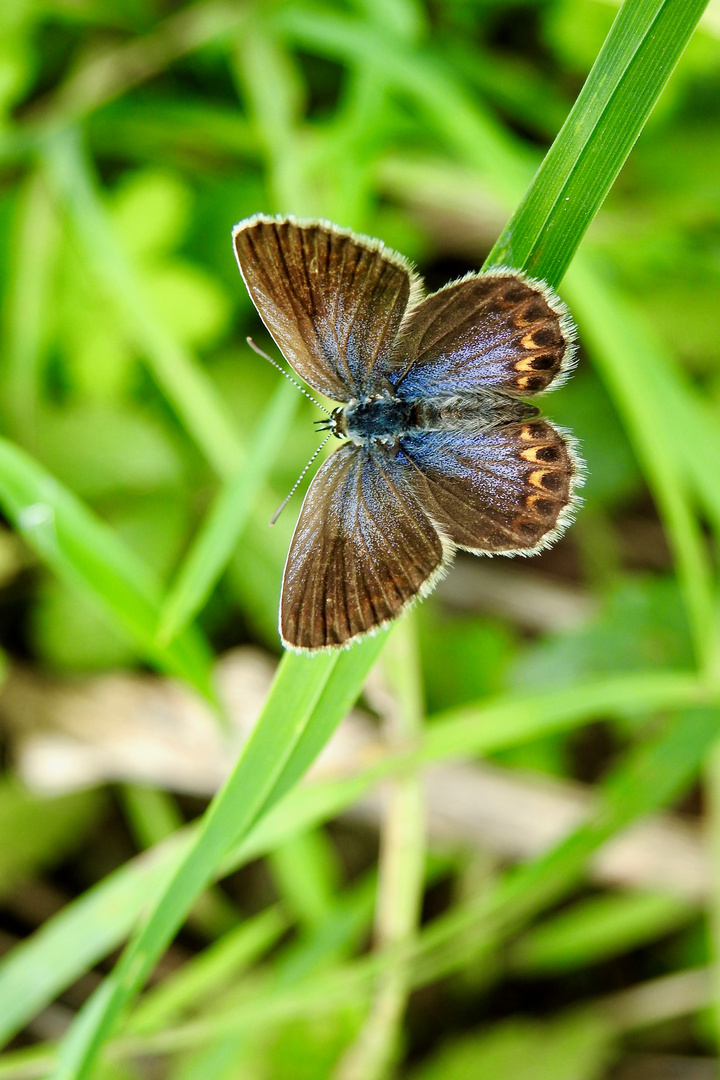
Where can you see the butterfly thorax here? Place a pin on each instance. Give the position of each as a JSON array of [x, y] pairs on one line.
[[387, 418], [379, 419]]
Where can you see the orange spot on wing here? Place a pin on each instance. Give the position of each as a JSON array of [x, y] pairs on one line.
[[528, 343], [546, 503], [531, 454]]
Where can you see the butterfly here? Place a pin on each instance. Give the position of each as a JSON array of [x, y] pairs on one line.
[[439, 449]]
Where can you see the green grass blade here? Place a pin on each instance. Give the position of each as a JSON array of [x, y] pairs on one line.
[[653, 775], [711, 796], [81, 934], [303, 708], [27, 306], [634, 368], [486, 728], [512, 721], [226, 519], [401, 869], [289, 709], [88, 928], [85, 551], [645, 781], [600, 927], [337, 698], [636, 60], [182, 380], [416, 73], [220, 965]]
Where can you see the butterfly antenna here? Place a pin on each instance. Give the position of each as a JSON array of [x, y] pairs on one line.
[[297, 483], [282, 371]]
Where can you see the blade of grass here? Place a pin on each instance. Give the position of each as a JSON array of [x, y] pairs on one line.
[[27, 305], [218, 535], [219, 966], [631, 362], [273, 94], [85, 551], [401, 871], [338, 697], [652, 775], [598, 928], [152, 816], [104, 77], [306, 874], [711, 792], [646, 780], [87, 929], [183, 381], [81, 934], [416, 73], [636, 60], [273, 758], [165, 129], [511, 721]]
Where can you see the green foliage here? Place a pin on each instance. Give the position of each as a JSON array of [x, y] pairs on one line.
[[38, 832], [144, 448], [641, 625], [574, 1049]]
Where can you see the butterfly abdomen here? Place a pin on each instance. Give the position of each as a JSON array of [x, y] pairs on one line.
[[470, 412]]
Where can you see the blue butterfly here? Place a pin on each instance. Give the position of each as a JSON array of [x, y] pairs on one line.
[[439, 450]]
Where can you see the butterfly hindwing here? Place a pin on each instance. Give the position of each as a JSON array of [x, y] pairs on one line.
[[363, 548], [332, 301], [506, 490], [496, 331]]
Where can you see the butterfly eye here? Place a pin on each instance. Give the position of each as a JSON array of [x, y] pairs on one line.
[[338, 425]]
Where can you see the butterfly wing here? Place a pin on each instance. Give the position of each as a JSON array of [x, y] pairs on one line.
[[507, 489], [494, 331], [332, 301], [363, 548]]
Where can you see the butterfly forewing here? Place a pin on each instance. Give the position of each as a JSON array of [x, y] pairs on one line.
[[332, 301], [363, 548], [498, 331], [509, 489]]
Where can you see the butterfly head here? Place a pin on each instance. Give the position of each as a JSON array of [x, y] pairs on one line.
[[334, 423]]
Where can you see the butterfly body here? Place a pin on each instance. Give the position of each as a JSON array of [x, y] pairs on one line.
[[439, 450], [388, 418]]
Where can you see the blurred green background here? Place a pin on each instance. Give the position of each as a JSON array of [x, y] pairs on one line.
[[134, 135]]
